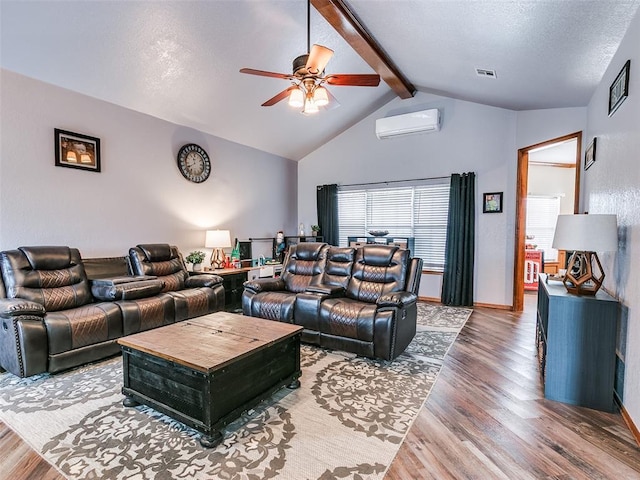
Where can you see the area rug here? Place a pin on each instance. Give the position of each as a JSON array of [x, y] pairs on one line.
[[347, 420]]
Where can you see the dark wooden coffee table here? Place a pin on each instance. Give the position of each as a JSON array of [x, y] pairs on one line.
[[207, 371]]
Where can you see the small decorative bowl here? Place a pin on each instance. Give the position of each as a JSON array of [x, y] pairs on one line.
[[378, 233]]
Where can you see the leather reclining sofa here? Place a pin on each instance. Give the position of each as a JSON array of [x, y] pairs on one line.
[[361, 300], [54, 316]]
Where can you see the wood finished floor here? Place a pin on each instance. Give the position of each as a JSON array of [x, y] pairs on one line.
[[486, 418]]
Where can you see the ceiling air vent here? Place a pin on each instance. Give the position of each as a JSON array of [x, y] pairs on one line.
[[484, 72]]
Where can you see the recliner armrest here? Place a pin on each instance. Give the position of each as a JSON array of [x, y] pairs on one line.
[[265, 285], [203, 280], [397, 299], [23, 338], [109, 291], [328, 290], [16, 307]]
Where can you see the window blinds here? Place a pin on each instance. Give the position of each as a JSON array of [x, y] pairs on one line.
[[542, 214], [416, 210]]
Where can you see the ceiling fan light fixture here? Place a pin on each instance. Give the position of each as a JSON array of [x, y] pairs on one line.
[[310, 106], [296, 98], [320, 96], [306, 92]]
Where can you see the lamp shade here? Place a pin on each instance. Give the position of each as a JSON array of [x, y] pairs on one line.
[[296, 98], [310, 105], [586, 233], [217, 239], [320, 96]]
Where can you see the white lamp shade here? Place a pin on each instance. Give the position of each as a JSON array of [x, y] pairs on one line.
[[586, 233], [310, 106], [217, 239], [320, 96], [296, 98]]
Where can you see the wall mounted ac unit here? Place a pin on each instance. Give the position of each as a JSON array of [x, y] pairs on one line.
[[409, 123]]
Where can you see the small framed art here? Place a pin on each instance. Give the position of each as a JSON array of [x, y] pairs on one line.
[[492, 202], [590, 154], [75, 150], [619, 89]]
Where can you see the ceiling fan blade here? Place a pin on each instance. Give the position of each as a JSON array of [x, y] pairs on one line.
[[319, 56], [353, 79], [279, 97], [263, 73]]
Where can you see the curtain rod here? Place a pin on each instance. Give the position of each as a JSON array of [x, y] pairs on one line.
[[391, 181]]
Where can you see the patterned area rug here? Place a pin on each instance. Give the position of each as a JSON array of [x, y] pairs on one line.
[[347, 420]]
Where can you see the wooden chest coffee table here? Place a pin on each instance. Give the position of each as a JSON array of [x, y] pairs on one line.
[[205, 372]]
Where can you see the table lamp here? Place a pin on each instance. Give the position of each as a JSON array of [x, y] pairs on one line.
[[217, 239], [585, 235]]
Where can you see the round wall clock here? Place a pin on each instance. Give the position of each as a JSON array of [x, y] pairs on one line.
[[194, 163]]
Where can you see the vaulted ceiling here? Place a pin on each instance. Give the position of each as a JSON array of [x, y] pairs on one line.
[[180, 60]]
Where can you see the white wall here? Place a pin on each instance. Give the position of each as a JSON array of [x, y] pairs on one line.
[[536, 126], [546, 180], [474, 138], [612, 185], [140, 196]]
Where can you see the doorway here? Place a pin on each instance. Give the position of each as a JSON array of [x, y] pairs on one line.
[[544, 167]]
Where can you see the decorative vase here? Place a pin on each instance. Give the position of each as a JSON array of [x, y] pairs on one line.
[[235, 255]]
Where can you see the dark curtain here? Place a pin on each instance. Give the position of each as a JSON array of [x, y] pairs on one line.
[[457, 282], [327, 205]]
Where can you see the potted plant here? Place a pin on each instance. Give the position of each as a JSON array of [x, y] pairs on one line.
[[315, 229], [196, 258]]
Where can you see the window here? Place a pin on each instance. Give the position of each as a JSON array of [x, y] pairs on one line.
[[542, 214], [414, 209]]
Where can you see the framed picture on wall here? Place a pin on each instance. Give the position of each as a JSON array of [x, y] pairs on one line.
[[75, 150], [590, 154], [492, 202], [619, 89]]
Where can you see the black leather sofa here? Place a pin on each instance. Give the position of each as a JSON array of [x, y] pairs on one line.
[[192, 296], [361, 300], [53, 316]]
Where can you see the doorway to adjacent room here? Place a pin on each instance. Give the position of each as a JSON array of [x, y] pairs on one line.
[[548, 184]]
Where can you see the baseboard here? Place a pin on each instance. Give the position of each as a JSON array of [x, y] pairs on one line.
[[429, 299], [485, 305], [494, 306], [627, 419]]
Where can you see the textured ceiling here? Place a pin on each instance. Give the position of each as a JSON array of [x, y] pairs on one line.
[[179, 60], [561, 152]]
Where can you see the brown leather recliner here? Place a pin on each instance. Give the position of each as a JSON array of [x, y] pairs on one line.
[[193, 296], [334, 281], [363, 302], [52, 317], [377, 316], [50, 321], [275, 298]]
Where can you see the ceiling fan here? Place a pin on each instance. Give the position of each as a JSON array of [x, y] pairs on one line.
[[307, 90]]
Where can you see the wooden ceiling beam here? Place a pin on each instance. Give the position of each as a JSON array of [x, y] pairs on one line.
[[345, 22]]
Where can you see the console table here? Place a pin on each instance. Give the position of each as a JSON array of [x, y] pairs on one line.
[[402, 242], [576, 340]]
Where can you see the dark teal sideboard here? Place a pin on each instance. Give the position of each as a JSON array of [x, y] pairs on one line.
[[576, 339]]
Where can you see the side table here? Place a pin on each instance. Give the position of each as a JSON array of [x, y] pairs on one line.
[[576, 338]]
